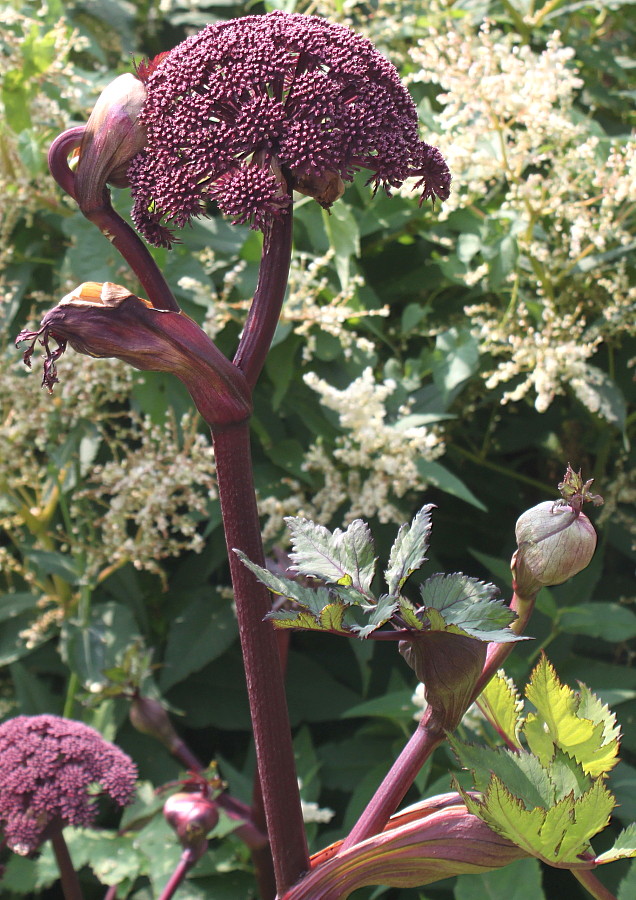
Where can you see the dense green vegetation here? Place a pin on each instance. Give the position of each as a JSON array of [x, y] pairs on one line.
[[459, 355]]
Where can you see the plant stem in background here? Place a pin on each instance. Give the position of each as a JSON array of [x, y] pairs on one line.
[[68, 875], [590, 882], [270, 721]]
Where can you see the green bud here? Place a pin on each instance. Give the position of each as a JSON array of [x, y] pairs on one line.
[[554, 543]]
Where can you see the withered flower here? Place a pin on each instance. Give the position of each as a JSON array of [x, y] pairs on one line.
[[246, 110], [106, 320]]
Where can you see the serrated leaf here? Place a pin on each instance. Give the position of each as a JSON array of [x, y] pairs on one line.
[[342, 557], [507, 815], [312, 599], [304, 620], [624, 846], [379, 615], [409, 550], [524, 776], [589, 814], [560, 722], [332, 615], [568, 776], [407, 613], [502, 706], [469, 604]]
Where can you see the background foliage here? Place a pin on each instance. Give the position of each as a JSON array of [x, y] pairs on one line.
[[460, 356]]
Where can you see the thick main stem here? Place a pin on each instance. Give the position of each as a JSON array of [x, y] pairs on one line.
[[268, 706]]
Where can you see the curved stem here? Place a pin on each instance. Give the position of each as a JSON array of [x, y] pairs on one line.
[[181, 870], [590, 882], [70, 882], [112, 226], [270, 292], [270, 721], [398, 780]]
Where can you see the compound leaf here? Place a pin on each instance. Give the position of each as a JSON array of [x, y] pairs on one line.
[[409, 550], [338, 557], [469, 604]]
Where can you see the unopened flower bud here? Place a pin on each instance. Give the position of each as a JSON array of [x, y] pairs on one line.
[[448, 665], [192, 816], [149, 717], [554, 543], [111, 140]]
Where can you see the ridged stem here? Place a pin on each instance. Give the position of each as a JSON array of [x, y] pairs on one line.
[[266, 691]]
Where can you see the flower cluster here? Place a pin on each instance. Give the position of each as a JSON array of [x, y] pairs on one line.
[[246, 110], [378, 458], [510, 129], [153, 493], [47, 765]]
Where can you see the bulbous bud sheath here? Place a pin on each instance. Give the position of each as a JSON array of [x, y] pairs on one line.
[[555, 542], [192, 816], [111, 139]]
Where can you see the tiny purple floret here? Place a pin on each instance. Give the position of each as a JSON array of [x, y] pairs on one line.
[[47, 765], [246, 110]]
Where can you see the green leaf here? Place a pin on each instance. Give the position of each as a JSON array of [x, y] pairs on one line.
[[307, 621], [12, 605], [627, 887], [576, 723], [521, 772], [409, 550], [438, 475], [520, 880], [312, 599], [556, 835], [468, 603], [624, 848], [91, 648], [377, 616], [502, 706], [342, 557], [608, 621], [201, 633]]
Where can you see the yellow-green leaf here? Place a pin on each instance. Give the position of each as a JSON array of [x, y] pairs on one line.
[[502, 706]]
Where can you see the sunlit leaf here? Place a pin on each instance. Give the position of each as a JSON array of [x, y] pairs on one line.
[[339, 557], [409, 550]]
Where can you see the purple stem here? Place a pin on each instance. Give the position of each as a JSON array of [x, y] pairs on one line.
[[426, 739], [265, 685], [268, 300], [498, 653], [111, 893], [590, 882], [397, 781], [118, 232], [70, 882], [181, 870]]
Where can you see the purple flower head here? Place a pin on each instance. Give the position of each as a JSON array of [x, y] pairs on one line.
[[47, 765], [247, 110]]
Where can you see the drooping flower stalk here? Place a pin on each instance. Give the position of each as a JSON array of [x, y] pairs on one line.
[[123, 238]]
